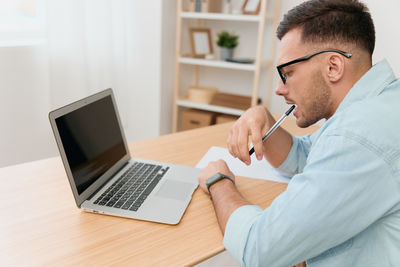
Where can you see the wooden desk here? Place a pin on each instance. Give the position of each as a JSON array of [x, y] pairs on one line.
[[40, 224]]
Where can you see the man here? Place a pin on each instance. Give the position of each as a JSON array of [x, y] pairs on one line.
[[342, 205]]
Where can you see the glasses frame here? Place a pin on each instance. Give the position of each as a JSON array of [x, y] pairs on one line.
[[283, 77]]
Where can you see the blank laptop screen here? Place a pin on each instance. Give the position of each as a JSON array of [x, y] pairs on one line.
[[92, 141]]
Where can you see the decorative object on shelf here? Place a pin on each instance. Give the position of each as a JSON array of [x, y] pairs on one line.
[[251, 7], [237, 7], [212, 6], [197, 5], [200, 40], [227, 42], [210, 56], [202, 94], [227, 7]]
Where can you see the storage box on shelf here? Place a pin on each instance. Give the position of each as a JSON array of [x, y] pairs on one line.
[[192, 118], [224, 103], [202, 94]]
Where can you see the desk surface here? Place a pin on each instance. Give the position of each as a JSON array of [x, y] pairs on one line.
[[40, 224]]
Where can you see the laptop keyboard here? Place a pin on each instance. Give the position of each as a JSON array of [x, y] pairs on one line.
[[132, 188]]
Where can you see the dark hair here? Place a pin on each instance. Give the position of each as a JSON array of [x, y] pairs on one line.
[[331, 21]]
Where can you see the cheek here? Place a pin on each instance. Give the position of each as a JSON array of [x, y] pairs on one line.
[[299, 94], [306, 89]]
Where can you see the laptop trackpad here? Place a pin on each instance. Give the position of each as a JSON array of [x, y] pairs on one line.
[[175, 190]]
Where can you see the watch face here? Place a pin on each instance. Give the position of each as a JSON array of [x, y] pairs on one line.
[[213, 179]]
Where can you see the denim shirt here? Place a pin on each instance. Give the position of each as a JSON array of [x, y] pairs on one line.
[[342, 205]]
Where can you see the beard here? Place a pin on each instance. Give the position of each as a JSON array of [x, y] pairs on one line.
[[317, 102]]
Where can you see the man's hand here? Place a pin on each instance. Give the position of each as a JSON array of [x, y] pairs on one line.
[[211, 169], [255, 122]]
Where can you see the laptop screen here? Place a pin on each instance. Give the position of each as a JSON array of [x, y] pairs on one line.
[[92, 141]]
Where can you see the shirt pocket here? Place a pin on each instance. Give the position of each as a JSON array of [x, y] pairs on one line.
[[339, 249]]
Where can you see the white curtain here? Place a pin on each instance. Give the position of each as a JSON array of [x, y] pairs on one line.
[[90, 45]]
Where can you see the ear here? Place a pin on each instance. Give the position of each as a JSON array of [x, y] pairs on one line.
[[335, 68]]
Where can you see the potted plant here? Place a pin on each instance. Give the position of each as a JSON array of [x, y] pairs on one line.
[[227, 42]]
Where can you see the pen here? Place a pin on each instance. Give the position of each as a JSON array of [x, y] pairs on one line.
[[276, 125]]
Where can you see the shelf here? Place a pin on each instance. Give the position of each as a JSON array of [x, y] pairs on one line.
[[217, 63], [219, 109], [220, 16], [222, 64], [23, 42]]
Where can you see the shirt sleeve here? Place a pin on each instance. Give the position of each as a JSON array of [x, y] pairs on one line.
[[297, 157], [322, 207]]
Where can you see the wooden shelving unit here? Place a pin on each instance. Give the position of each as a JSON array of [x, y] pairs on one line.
[[184, 102], [219, 16], [256, 68]]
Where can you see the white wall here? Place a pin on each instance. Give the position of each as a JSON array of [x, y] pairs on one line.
[[144, 112], [24, 104]]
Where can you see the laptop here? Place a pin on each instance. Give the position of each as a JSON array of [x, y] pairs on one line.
[[104, 178]]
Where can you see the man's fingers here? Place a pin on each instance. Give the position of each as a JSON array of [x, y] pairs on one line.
[[233, 142], [257, 143], [243, 147], [229, 144], [250, 123]]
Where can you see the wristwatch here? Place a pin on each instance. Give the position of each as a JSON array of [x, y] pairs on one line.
[[215, 178]]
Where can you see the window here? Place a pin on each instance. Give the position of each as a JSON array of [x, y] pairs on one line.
[[21, 21]]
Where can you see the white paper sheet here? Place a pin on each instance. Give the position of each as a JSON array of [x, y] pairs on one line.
[[257, 169]]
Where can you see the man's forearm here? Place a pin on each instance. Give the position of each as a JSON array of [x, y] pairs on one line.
[[226, 199], [278, 145]]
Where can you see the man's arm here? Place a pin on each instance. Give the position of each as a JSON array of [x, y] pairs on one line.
[[329, 201], [226, 198]]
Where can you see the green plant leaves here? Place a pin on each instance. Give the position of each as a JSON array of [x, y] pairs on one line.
[[228, 40]]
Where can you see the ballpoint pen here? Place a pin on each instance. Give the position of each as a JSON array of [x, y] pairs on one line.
[[276, 125]]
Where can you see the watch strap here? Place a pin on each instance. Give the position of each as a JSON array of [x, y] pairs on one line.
[[216, 178]]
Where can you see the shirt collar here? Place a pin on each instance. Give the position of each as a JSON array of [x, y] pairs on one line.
[[371, 84]]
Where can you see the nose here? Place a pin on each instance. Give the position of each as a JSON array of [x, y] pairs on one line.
[[281, 89]]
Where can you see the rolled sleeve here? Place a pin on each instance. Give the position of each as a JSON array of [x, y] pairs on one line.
[[297, 157], [238, 228]]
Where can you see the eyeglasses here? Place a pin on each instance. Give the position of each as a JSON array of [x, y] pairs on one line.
[[283, 76]]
